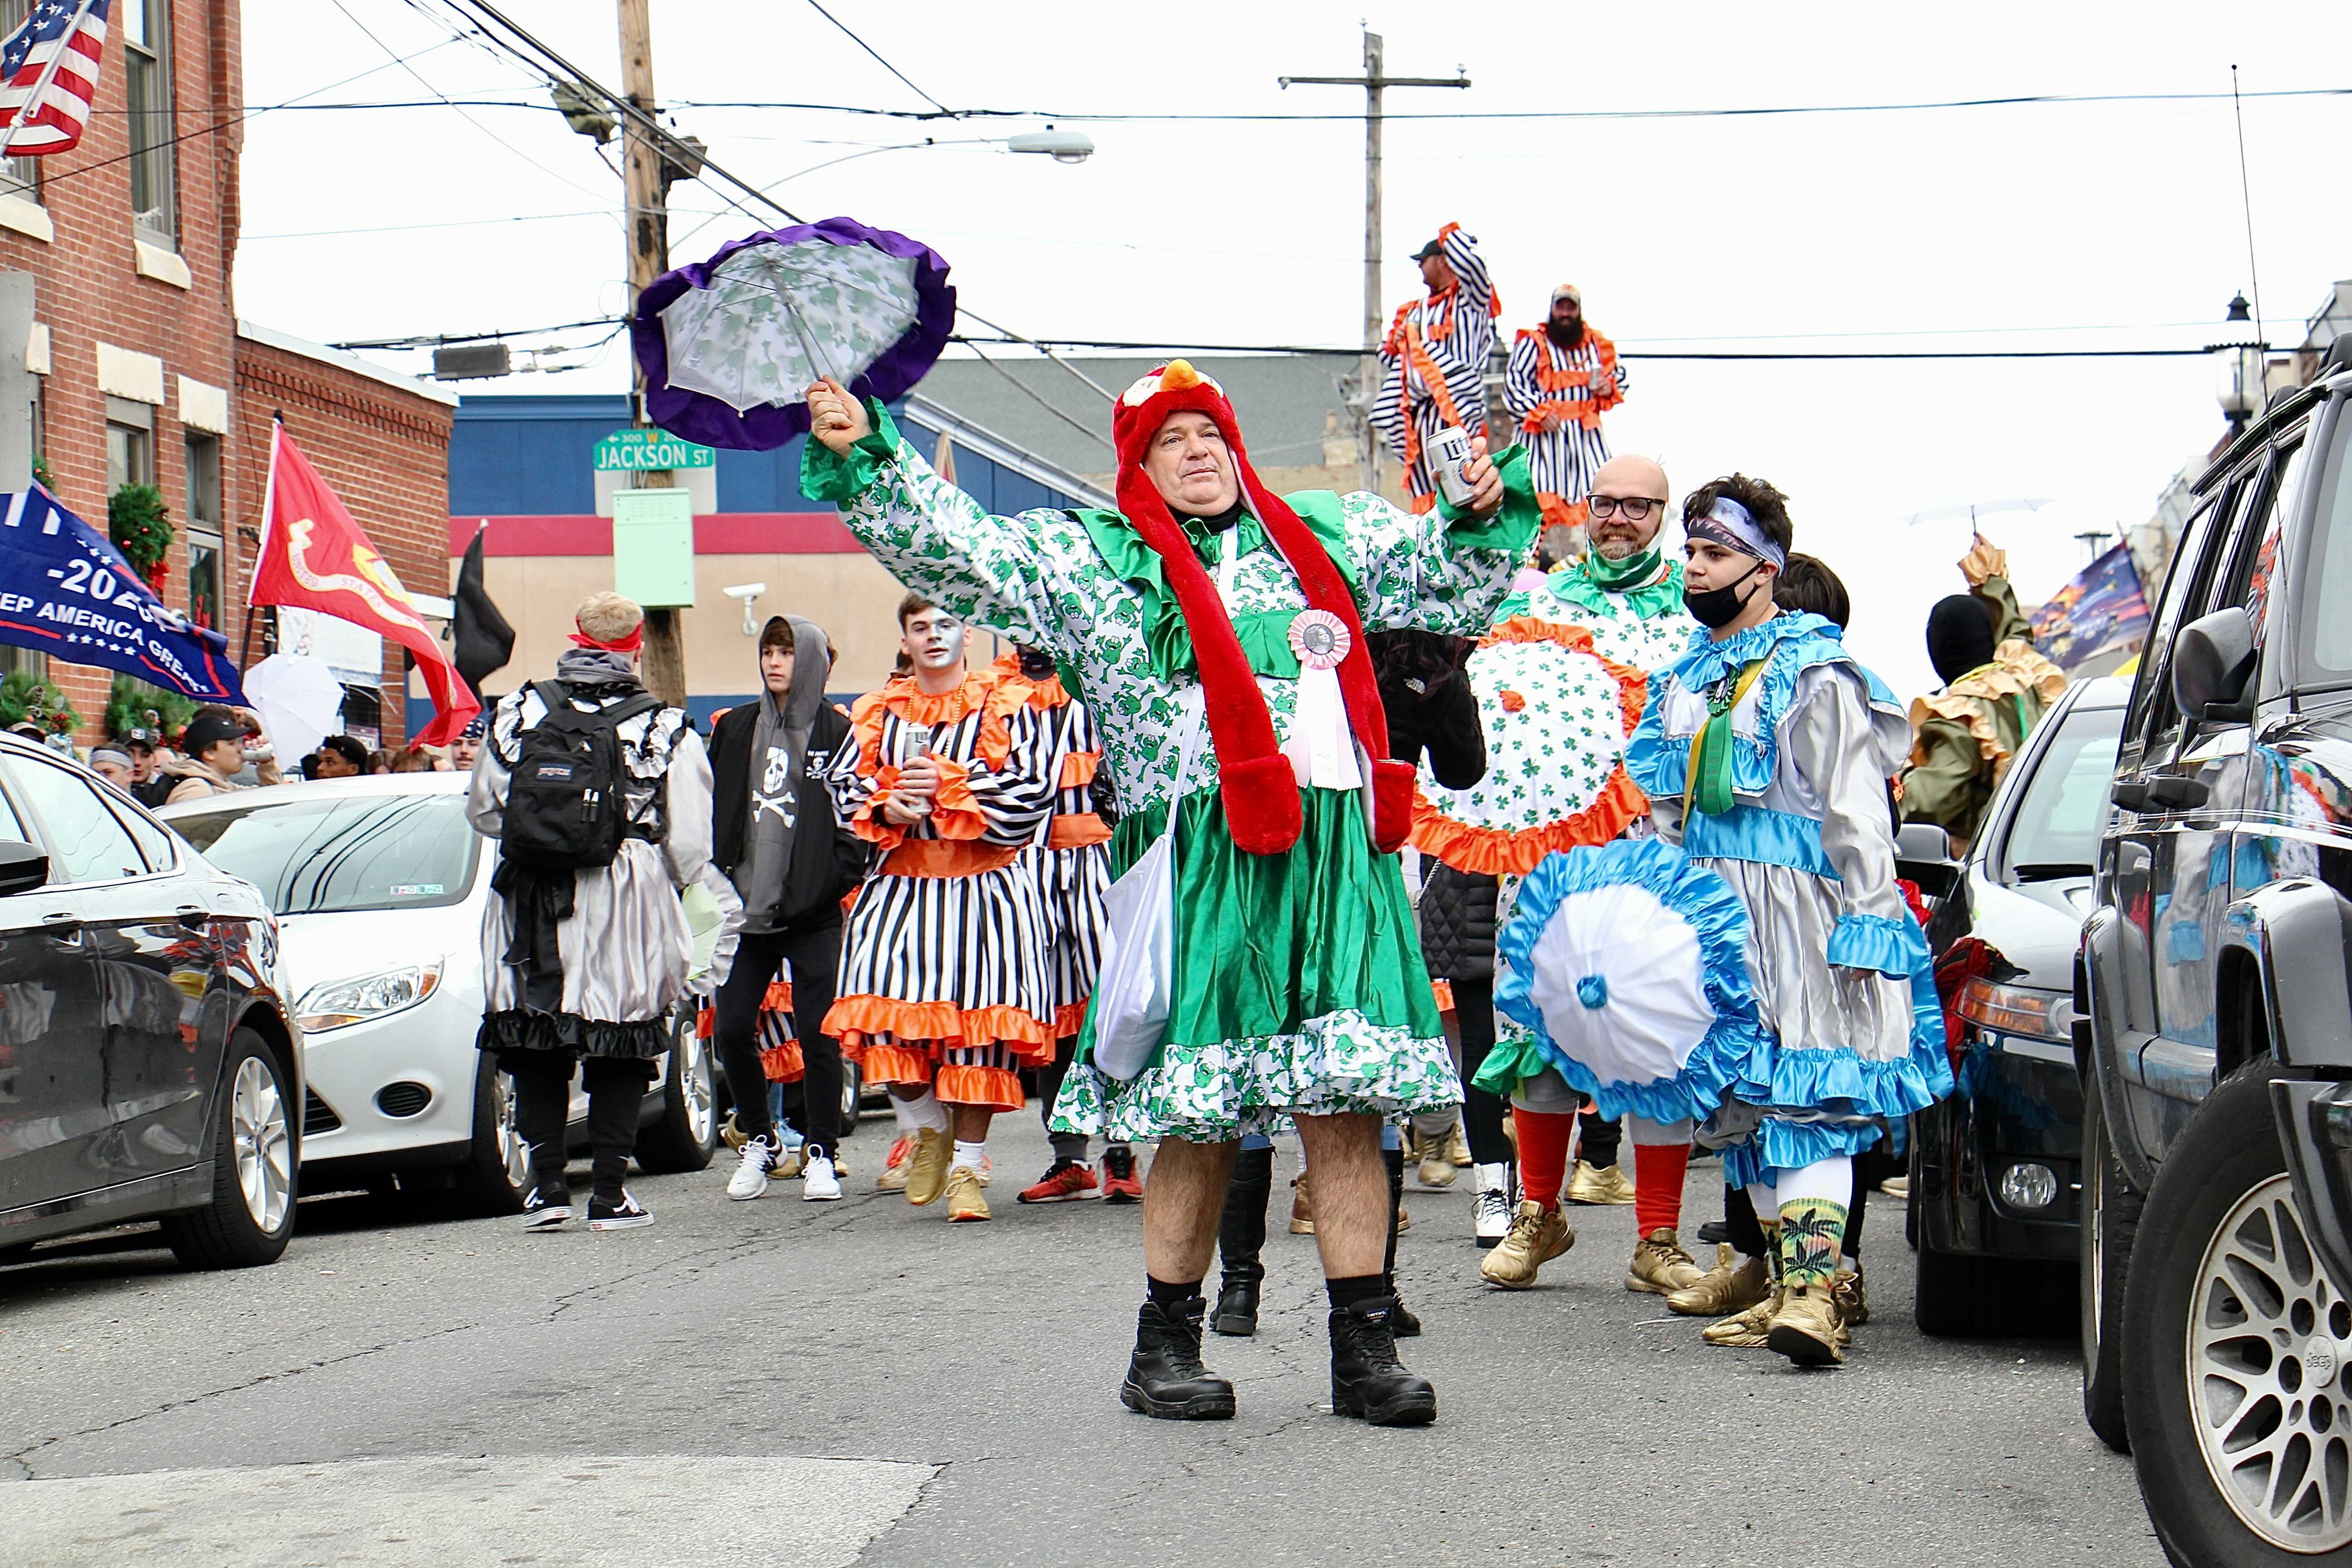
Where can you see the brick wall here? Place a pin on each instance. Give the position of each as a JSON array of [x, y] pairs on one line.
[[385, 451]]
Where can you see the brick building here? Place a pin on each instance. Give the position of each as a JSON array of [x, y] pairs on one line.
[[142, 374]]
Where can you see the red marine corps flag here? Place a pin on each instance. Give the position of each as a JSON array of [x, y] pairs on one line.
[[315, 557]]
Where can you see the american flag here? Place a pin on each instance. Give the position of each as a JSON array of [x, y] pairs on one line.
[[48, 74]]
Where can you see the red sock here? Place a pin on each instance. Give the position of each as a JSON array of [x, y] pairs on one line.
[[1545, 1138], [1658, 1171]]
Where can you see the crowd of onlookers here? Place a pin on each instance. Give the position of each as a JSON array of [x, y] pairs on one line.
[[222, 749]]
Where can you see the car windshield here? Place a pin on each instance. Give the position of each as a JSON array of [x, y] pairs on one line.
[[319, 855], [2056, 830]]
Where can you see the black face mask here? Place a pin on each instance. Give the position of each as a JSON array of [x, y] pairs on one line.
[[1716, 608]]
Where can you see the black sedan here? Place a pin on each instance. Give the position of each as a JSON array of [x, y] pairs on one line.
[[147, 1067], [1996, 1169]]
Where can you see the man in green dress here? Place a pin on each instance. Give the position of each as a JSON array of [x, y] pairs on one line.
[[1208, 617]]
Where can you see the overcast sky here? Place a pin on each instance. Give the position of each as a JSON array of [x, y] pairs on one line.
[[2110, 224]]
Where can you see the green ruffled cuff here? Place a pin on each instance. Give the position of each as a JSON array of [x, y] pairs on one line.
[[829, 477], [1513, 527]]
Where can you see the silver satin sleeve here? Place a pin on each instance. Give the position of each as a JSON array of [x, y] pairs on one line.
[[1666, 818], [1829, 741], [485, 797], [686, 809]]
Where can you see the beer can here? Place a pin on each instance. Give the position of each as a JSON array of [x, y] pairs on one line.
[[1449, 449]]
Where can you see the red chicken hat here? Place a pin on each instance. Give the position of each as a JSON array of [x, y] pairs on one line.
[[1259, 788]]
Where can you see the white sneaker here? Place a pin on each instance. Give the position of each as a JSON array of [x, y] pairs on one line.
[[819, 1184], [1490, 1217], [751, 1177]]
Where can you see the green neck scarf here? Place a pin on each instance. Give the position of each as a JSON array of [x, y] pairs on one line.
[[1616, 576]]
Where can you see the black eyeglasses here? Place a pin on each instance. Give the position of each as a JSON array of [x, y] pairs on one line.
[[1634, 508]]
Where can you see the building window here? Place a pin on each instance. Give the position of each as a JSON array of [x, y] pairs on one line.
[[129, 443], [204, 483], [204, 579], [18, 176], [147, 93]]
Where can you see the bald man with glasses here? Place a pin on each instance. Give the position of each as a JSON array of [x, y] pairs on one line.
[[1627, 592]]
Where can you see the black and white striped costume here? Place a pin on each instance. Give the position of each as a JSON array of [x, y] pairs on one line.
[[1072, 877], [1457, 334], [1546, 381]]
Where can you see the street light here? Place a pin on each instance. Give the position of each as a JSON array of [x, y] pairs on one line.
[[2240, 370], [1061, 146]]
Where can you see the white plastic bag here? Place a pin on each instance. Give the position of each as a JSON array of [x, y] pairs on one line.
[[1135, 988]]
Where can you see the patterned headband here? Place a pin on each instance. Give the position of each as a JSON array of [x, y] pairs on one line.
[[1727, 523]]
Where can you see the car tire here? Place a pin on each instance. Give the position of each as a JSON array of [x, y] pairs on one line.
[[255, 1170], [1956, 1295], [496, 1175], [853, 1097], [2108, 1228], [2225, 1309], [1916, 1169], [688, 1131]]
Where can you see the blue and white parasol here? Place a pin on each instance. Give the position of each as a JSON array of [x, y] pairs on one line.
[[1628, 963]]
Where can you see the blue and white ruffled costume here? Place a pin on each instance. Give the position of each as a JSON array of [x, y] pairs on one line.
[[1843, 985]]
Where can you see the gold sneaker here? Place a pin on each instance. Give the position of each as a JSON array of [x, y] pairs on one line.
[[1302, 1207], [1660, 1266], [1437, 1166], [1853, 1299], [1458, 1149], [1745, 1331], [1589, 1183], [1728, 1286], [1806, 1328], [965, 1200], [1537, 1236], [731, 1135], [927, 1167]]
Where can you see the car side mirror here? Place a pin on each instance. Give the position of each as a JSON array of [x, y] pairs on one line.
[[1923, 854], [23, 867], [2212, 666]]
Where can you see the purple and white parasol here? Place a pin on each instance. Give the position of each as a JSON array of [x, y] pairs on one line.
[[730, 345]]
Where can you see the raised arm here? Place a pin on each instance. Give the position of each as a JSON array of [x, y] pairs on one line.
[[931, 536], [1474, 308]]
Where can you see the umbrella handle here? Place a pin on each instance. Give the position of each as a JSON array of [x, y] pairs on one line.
[[808, 341]]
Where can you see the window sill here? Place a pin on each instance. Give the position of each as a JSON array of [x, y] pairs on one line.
[[161, 264], [26, 216]]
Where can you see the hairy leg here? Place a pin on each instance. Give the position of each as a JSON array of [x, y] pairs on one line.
[[1352, 1216], [1183, 1198]]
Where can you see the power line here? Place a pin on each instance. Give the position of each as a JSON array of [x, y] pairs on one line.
[[435, 339], [1776, 354], [870, 49]]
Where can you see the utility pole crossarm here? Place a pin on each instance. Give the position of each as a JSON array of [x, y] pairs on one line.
[[1372, 81]]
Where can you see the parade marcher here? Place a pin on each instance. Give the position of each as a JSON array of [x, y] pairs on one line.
[[1206, 603], [1765, 755], [1563, 377], [1433, 360], [776, 837], [1070, 860], [944, 994], [585, 948], [1996, 689], [212, 755]]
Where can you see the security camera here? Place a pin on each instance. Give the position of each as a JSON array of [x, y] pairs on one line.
[[750, 593]]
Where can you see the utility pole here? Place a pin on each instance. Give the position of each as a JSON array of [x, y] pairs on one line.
[[1368, 368], [646, 234]]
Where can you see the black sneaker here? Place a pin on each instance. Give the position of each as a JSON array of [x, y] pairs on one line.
[[552, 1212], [1715, 1233], [626, 1214]]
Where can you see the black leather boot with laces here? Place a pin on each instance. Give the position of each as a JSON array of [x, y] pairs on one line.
[[1367, 1380], [1165, 1378]]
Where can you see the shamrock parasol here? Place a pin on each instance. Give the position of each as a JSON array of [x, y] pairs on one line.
[[728, 345]]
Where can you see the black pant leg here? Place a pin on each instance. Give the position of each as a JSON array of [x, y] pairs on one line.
[[542, 1103], [1739, 1219], [616, 1096], [738, 1007], [814, 956], [1600, 1141], [1482, 1112]]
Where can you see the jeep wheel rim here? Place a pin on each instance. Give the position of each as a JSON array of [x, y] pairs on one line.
[[257, 1132], [2269, 1338], [701, 1092]]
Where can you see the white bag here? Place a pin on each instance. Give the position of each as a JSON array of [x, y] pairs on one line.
[[1136, 985]]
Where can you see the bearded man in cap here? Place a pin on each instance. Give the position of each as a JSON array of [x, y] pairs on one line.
[[1204, 604], [1434, 362], [1563, 377]]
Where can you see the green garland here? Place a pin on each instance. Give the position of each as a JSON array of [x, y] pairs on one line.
[[139, 525], [130, 701], [25, 695]]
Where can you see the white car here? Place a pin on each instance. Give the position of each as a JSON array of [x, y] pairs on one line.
[[379, 884]]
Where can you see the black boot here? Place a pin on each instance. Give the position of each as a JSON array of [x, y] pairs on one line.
[[1165, 1377], [1367, 1380], [1401, 1322], [1241, 1238]]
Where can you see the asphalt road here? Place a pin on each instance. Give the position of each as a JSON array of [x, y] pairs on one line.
[[799, 1384]]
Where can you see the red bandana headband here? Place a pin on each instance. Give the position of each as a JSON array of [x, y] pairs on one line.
[[630, 644]]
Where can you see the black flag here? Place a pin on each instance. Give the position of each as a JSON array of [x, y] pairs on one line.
[[484, 642]]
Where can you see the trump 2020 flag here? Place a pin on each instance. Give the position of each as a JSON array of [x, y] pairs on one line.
[[65, 590], [314, 556]]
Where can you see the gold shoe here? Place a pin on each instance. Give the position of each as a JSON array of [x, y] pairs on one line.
[[1437, 1166], [732, 1135], [1589, 1183], [1728, 1286], [789, 1163], [1537, 1236], [1853, 1299], [1807, 1328], [1404, 1220], [1458, 1149], [1897, 1188], [1745, 1331], [927, 1167], [1660, 1266], [965, 1200], [1302, 1207]]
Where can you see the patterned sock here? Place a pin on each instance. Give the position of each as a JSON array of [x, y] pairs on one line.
[[1658, 1169], [1812, 1218], [1547, 1139]]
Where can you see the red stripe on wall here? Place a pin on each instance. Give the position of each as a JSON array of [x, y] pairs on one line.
[[720, 534]]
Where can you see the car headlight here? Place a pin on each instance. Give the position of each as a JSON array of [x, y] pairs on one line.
[[2018, 1010], [343, 1001]]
